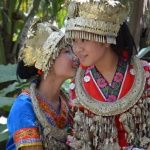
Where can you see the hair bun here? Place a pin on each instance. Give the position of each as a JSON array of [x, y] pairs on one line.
[[25, 72]]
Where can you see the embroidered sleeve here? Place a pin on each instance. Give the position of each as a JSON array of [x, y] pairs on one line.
[[26, 137], [21, 123]]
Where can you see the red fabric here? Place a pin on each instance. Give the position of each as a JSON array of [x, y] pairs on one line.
[[127, 83], [121, 133], [83, 67], [93, 90], [125, 54]]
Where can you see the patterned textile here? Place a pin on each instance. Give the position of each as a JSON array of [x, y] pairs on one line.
[[22, 121], [110, 91], [96, 86]]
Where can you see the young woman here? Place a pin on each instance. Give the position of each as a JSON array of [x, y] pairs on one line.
[[39, 116], [110, 93]]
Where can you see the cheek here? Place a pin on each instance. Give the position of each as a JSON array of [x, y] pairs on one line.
[[97, 53], [63, 64], [74, 47]]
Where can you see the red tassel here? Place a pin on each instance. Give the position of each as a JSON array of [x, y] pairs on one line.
[[40, 71]]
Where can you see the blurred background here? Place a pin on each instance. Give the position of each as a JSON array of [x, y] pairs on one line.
[[15, 19]]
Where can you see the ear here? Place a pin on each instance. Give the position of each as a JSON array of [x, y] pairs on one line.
[[107, 45]]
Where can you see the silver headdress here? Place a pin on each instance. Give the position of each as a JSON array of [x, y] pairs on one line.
[[42, 45], [95, 20]]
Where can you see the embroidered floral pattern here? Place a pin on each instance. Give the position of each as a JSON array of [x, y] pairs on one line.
[[118, 77], [60, 120], [111, 92], [101, 83], [111, 98]]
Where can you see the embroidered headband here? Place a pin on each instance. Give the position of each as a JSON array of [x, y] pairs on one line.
[[96, 20], [42, 45]]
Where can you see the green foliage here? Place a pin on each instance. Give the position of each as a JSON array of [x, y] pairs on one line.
[[6, 101], [60, 17], [66, 85], [4, 135], [13, 87], [15, 15], [8, 73], [9, 79]]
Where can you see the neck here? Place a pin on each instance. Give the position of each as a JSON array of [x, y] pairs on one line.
[[108, 65], [49, 89]]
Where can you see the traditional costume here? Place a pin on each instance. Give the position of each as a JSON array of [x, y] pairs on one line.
[[32, 120], [107, 116]]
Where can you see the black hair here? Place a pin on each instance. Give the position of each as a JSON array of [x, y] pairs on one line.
[[25, 72], [125, 42]]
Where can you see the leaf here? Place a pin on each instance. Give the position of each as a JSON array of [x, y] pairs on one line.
[[6, 108], [6, 101], [4, 134], [13, 87], [2, 127], [8, 73], [66, 85]]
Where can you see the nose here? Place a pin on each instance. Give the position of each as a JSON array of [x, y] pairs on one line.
[[77, 48], [74, 59]]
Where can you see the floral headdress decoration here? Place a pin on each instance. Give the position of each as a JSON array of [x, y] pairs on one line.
[[96, 20], [42, 45]]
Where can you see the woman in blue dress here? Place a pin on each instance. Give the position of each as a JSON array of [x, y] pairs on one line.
[[39, 116]]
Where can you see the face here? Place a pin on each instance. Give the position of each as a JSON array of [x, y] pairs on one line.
[[65, 64], [89, 52]]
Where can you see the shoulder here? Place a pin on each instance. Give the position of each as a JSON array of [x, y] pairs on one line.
[[22, 113], [22, 101]]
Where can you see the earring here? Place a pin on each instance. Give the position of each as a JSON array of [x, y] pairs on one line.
[[107, 45]]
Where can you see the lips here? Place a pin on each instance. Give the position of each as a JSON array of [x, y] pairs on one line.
[[82, 58], [75, 65]]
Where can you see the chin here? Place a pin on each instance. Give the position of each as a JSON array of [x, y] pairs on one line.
[[73, 75], [86, 64]]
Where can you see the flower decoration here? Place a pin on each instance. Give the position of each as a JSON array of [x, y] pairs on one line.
[[87, 78]]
